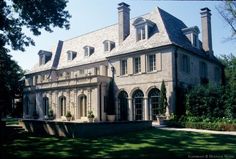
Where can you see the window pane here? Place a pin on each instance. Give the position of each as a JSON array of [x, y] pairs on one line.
[[137, 65], [123, 67], [152, 62]]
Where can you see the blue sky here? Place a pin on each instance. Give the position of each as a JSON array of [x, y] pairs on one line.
[[91, 15]]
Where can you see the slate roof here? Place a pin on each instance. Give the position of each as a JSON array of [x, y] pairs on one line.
[[168, 31]]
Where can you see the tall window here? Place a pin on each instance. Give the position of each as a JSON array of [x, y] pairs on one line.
[[45, 105], [153, 99], [152, 62], [63, 105], [185, 63], [138, 104], [203, 70], [217, 74], [83, 106], [123, 106], [123, 67], [137, 64], [140, 33], [27, 103]]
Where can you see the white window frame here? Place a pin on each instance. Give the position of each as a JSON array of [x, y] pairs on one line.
[[151, 64], [138, 69], [124, 68]]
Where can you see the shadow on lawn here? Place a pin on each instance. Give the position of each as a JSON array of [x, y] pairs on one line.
[[153, 143]]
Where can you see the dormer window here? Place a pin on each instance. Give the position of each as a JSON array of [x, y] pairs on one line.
[[108, 45], [44, 57], [192, 34], [71, 55], [144, 28], [88, 50]]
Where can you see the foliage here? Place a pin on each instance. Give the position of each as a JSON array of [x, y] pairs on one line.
[[205, 101], [34, 15], [68, 114], [90, 114], [111, 99], [10, 73], [228, 11], [163, 99]]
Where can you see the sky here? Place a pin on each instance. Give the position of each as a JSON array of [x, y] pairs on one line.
[[91, 15]]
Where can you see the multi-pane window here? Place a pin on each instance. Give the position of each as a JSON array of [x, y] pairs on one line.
[[203, 70], [137, 64], [185, 63], [152, 62], [81, 71], [123, 67], [108, 45], [88, 50], [71, 55], [140, 33], [217, 74]]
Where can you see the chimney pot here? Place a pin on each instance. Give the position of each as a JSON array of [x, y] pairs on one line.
[[123, 21], [206, 30]]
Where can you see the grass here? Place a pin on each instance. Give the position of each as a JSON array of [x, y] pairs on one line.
[[152, 143]]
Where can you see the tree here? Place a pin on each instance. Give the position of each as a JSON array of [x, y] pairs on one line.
[[10, 73], [111, 99], [34, 15], [163, 99], [228, 11], [15, 16]]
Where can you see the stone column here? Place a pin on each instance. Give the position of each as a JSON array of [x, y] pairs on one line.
[[145, 106], [150, 111], [67, 101], [89, 100], [103, 90], [75, 104], [57, 107], [130, 106]]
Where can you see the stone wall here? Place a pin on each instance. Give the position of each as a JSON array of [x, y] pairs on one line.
[[73, 129]]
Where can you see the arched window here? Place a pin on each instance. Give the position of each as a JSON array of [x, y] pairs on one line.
[[45, 105], [138, 104], [122, 106], [153, 99], [62, 101], [83, 106], [27, 103]]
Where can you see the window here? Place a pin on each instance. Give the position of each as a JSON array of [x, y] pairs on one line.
[[71, 55], [152, 62], [44, 57], [108, 45], [144, 28], [137, 64], [203, 73], [88, 50], [217, 74], [141, 33], [185, 63], [81, 71], [123, 67]]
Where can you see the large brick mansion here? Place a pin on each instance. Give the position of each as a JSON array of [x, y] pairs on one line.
[[139, 53]]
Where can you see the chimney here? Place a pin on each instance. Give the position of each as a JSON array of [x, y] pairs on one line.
[[123, 21], [206, 30]]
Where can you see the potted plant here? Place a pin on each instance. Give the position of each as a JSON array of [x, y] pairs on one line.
[[68, 116], [162, 105], [110, 103], [90, 116], [50, 114]]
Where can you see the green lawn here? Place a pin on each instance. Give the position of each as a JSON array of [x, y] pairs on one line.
[[153, 143]]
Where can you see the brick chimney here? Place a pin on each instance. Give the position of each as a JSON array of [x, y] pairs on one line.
[[206, 30], [123, 21]]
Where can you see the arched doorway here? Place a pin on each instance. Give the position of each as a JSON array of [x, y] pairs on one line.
[[122, 106], [83, 106], [62, 101], [45, 105], [138, 104], [153, 100]]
